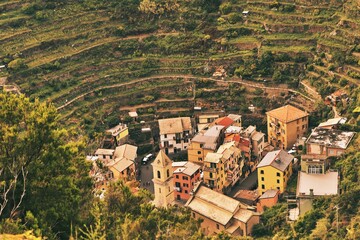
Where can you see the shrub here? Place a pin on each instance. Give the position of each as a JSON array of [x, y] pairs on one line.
[[17, 64], [343, 82], [234, 18], [225, 8]]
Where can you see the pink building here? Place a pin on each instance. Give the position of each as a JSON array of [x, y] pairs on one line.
[[185, 175]]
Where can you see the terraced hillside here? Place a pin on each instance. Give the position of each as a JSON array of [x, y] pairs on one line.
[[96, 60]]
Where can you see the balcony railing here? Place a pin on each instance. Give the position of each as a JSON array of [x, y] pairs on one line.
[[208, 169]]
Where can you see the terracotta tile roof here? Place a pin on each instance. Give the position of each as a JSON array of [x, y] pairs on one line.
[[287, 113], [174, 125], [126, 151], [224, 121]]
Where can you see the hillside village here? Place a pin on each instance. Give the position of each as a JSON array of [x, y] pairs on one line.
[[229, 173]]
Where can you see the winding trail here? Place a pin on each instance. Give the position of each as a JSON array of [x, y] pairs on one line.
[[188, 77]]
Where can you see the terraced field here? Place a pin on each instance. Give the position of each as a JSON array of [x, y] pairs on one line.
[[96, 60]]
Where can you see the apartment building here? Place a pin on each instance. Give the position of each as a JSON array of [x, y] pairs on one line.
[[206, 141], [285, 125], [175, 134], [185, 175], [274, 171]]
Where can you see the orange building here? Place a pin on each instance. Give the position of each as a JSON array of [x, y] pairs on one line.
[[268, 199], [285, 125], [185, 175]]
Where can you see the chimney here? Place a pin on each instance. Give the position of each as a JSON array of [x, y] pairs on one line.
[[311, 192]]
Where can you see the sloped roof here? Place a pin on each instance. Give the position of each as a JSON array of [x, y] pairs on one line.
[[102, 151], [126, 151], [224, 121], [213, 205], [188, 169], [122, 164], [161, 159], [234, 117], [270, 193], [174, 125], [333, 121], [279, 159], [213, 157], [257, 136], [287, 113]]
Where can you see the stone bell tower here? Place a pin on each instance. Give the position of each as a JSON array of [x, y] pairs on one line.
[[163, 180]]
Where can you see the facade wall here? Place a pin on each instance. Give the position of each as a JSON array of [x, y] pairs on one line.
[[123, 134], [286, 133], [272, 178], [267, 202], [186, 184], [125, 175], [258, 147], [255, 219], [171, 143], [208, 226], [305, 165], [196, 154]]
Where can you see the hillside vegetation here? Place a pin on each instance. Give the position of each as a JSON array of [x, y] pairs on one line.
[[96, 60], [63, 50]]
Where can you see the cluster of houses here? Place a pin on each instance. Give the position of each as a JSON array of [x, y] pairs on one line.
[[221, 154]]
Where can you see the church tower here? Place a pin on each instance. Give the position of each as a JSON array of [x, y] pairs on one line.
[[163, 180]]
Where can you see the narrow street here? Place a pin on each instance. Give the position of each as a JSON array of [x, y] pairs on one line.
[[248, 183]]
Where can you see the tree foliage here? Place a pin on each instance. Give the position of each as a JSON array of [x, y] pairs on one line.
[[41, 169]]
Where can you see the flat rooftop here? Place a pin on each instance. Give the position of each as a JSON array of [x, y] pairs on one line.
[[330, 138], [322, 184]]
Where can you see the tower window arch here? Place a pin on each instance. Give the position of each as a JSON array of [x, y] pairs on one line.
[[168, 173], [158, 174]]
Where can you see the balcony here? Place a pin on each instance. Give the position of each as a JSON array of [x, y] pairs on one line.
[[178, 189]]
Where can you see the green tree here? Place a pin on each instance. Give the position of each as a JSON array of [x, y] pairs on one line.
[[40, 167]]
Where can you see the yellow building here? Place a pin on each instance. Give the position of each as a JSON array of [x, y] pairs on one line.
[[274, 171], [285, 125], [206, 141], [163, 180], [222, 169]]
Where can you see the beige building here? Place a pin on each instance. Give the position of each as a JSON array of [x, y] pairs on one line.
[[206, 141], [285, 125], [175, 134], [220, 213], [163, 180]]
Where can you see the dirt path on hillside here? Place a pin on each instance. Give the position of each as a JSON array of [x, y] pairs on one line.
[[187, 77]]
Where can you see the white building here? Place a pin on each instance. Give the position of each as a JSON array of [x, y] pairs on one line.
[[175, 134]]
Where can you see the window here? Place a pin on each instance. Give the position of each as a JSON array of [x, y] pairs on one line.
[[168, 173], [262, 186], [278, 181], [186, 191], [278, 188], [200, 159], [278, 174], [315, 169], [199, 152], [213, 165], [158, 174], [104, 156], [177, 184], [217, 226], [110, 157], [159, 190], [177, 176], [193, 214], [185, 178], [262, 179], [261, 171], [211, 175], [165, 135]]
